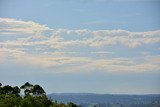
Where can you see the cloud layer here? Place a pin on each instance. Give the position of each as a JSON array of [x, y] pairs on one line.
[[64, 50]]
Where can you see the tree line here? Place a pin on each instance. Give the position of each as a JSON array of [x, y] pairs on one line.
[[34, 96]]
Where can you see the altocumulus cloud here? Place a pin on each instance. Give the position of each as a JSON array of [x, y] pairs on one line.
[[61, 50]]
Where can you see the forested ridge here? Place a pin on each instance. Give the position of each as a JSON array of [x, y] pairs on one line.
[[108, 100]]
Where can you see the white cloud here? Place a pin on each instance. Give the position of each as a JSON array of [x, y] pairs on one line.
[[119, 65], [67, 63], [60, 38], [30, 43], [130, 39], [14, 26]]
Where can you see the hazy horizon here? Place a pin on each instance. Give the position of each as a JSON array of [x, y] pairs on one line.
[[81, 46]]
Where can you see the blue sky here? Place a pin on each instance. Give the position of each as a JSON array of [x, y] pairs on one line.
[[99, 46]]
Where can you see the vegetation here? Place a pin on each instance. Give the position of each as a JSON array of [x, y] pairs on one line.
[[34, 96]]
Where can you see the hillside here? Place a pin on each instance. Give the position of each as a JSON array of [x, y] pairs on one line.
[[86, 99]]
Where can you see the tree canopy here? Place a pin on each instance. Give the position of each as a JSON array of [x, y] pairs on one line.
[[35, 96]]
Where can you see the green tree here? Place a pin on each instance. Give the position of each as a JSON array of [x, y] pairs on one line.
[[70, 104], [34, 97], [30, 101], [36, 101], [9, 100]]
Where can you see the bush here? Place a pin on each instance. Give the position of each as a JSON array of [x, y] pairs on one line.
[[9, 100]]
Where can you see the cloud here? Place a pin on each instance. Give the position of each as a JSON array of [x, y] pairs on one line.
[[130, 39], [66, 63], [32, 44], [35, 34], [13, 26], [118, 65]]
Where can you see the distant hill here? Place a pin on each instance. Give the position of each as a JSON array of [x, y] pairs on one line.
[[105, 99]]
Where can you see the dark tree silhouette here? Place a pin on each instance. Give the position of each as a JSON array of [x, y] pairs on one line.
[[10, 90], [16, 90], [1, 88], [27, 88], [37, 90], [7, 89]]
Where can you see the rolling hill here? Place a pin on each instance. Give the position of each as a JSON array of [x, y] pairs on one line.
[[105, 100]]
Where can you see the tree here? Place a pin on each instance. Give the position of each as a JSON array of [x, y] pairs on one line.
[[36, 101], [10, 90], [35, 97], [27, 88], [30, 101], [0, 88], [16, 90], [37, 90], [7, 89], [9, 100], [70, 104]]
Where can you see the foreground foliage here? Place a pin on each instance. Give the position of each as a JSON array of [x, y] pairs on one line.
[[35, 96]]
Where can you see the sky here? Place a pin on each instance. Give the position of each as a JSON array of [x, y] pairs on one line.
[[81, 46]]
